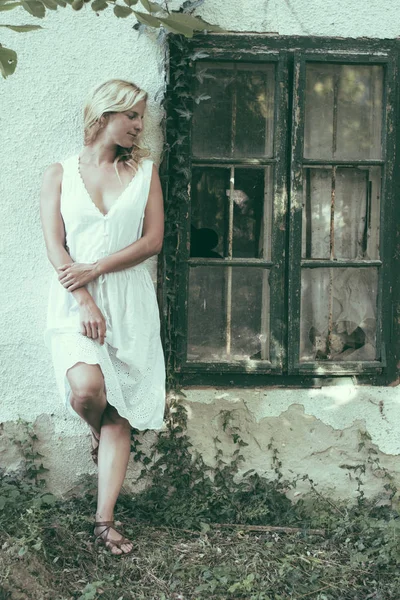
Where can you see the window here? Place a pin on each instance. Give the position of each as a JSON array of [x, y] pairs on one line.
[[279, 196]]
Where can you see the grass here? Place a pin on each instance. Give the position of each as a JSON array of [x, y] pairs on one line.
[[199, 532], [48, 552]]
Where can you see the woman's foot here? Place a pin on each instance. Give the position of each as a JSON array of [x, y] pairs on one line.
[[95, 446], [105, 533]]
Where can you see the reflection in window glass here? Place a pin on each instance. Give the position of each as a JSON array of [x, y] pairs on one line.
[[252, 212], [228, 316], [338, 314], [210, 210], [237, 118], [249, 225], [343, 112]]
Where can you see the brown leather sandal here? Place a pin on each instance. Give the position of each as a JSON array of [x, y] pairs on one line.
[[110, 544], [95, 450]]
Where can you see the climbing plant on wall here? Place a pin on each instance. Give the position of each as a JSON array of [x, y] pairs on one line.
[[158, 16]]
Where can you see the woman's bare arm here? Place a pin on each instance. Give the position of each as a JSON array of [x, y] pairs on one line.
[[52, 222], [92, 320], [73, 276]]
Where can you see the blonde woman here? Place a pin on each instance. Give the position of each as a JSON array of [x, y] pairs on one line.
[[102, 217]]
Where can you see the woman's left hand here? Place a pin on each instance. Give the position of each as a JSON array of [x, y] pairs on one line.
[[75, 275]]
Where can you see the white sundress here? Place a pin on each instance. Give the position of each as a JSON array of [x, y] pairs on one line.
[[131, 359]]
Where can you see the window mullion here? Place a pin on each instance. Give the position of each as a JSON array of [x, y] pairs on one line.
[[229, 269], [295, 199]]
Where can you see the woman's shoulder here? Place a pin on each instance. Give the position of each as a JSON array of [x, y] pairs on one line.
[[53, 172], [57, 168]]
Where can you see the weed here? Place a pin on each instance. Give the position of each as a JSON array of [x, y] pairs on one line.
[[201, 531]]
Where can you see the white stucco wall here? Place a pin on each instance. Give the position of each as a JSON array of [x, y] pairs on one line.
[[40, 123]]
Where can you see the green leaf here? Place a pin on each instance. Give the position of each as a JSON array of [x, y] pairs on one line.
[[195, 23], [48, 499], [8, 61], [98, 5], [201, 98], [50, 4], [131, 2], [77, 4], [152, 7], [22, 28], [186, 114], [175, 27], [148, 20], [9, 6], [122, 11], [34, 8]]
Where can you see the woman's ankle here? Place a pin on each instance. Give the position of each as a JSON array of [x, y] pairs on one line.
[[103, 517]]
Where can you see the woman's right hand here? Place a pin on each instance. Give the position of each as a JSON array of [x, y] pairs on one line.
[[93, 323]]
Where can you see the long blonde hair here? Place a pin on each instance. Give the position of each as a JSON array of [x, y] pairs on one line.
[[114, 95]]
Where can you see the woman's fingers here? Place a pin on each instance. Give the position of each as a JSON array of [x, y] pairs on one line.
[[83, 329], [63, 273], [68, 282], [94, 330], [102, 333], [73, 286]]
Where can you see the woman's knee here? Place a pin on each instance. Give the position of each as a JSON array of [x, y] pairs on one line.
[[87, 386]]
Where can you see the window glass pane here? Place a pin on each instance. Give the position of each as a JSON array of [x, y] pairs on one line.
[[343, 111], [357, 213], [254, 111], [212, 118], [252, 212], [210, 212], [237, 119], [228, 316], [341, 212], [338, 314], [316, 213]]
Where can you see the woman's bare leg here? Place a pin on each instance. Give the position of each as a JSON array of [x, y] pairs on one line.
[[88, 397], [114, 451]]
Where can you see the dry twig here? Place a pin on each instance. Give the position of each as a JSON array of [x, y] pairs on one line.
[[272, 528]]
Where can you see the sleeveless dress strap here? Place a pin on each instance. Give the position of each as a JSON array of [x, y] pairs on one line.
[[147, 166]]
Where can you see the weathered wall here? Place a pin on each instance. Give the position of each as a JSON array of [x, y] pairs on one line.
[[40, 122], [315, 430]]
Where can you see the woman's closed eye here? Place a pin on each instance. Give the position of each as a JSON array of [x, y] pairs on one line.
[[134, 116]]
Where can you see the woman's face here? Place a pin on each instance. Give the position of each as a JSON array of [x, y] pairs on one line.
[[124, 128]]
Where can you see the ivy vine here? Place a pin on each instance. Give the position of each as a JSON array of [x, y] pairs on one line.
[[176, 175]]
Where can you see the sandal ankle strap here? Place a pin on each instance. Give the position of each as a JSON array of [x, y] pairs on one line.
[[101, 523]]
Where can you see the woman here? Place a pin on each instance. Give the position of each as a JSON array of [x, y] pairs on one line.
[[102, 216]]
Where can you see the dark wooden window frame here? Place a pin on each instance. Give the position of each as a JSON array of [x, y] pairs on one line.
[[290, 55]]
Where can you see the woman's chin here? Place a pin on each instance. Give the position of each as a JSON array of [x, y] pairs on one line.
[[127, 146]]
